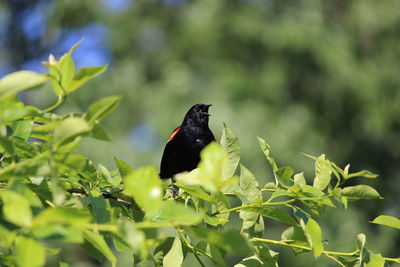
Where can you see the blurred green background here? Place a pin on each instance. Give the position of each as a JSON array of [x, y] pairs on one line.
[[308, 76]]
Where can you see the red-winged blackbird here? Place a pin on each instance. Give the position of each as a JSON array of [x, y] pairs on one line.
[[182, 152]]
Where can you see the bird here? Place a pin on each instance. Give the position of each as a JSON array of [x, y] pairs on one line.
[[182, 151]]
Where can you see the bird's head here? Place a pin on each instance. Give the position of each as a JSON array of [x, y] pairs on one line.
[[198, 115]]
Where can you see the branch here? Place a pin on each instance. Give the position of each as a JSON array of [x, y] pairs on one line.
[[255, 206], [195, 251], [304, 247], [105, 195]]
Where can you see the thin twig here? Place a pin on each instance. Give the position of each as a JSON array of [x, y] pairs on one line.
[[105, 195], [255, 206], [326, 252], [397, 260], [2, 157], [333, 258], [196, 251]]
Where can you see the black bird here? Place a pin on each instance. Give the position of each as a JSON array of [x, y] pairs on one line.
[[182, 152]]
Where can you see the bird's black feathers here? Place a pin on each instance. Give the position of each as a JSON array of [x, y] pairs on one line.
[[182, 152]]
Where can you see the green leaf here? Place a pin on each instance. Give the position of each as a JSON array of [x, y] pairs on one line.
[[251, 261], [266, 255], [92, 251], [361, 239], [215, 220], [284, 175], [311, 191], [16, 208], [22, 189], [101, 108], [360, 192], [62, 216], [251, 190], [177, 214], [83, 75], [221, 203], [348, 261], [22, 129], [272, 213], [161, 250], [6, 145], [56, 232], [62, 72], [13, 109], [121, 244], [98, 132], [208, 174], [145, 186], [363, 173], [266, 149], [19, 81], [29, 252], [123, 167], [249, 186], [74, 164], [100, 206], [230, 240], [69, 129], [231, 144], [97, 241], [299, 179], [215, 254], [314, 236], [374, 260], [66, 67], [388, 221], [249, 219], [174, 257], [103, 174], [270, 186], [281, 192], [323, 173], [295, 235], [213, 158], [197, 191], [257, 229], [134, 237]]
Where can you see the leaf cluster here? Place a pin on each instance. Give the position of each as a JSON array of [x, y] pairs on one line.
[[51, 195]]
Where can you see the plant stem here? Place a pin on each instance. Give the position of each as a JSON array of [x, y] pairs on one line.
[[336, 260], [326, 252], [392, 259], [196, 251], [61, 97], [2, 157], [60, 101], [256, 206], [103, 227]]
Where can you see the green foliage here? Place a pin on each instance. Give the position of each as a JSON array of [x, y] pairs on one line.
[[50, 195], [388, 221]]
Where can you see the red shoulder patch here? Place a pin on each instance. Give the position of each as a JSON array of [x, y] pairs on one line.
[[174, 133], [215, 139]]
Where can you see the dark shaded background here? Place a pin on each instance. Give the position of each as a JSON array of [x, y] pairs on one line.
[[308, 76]]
